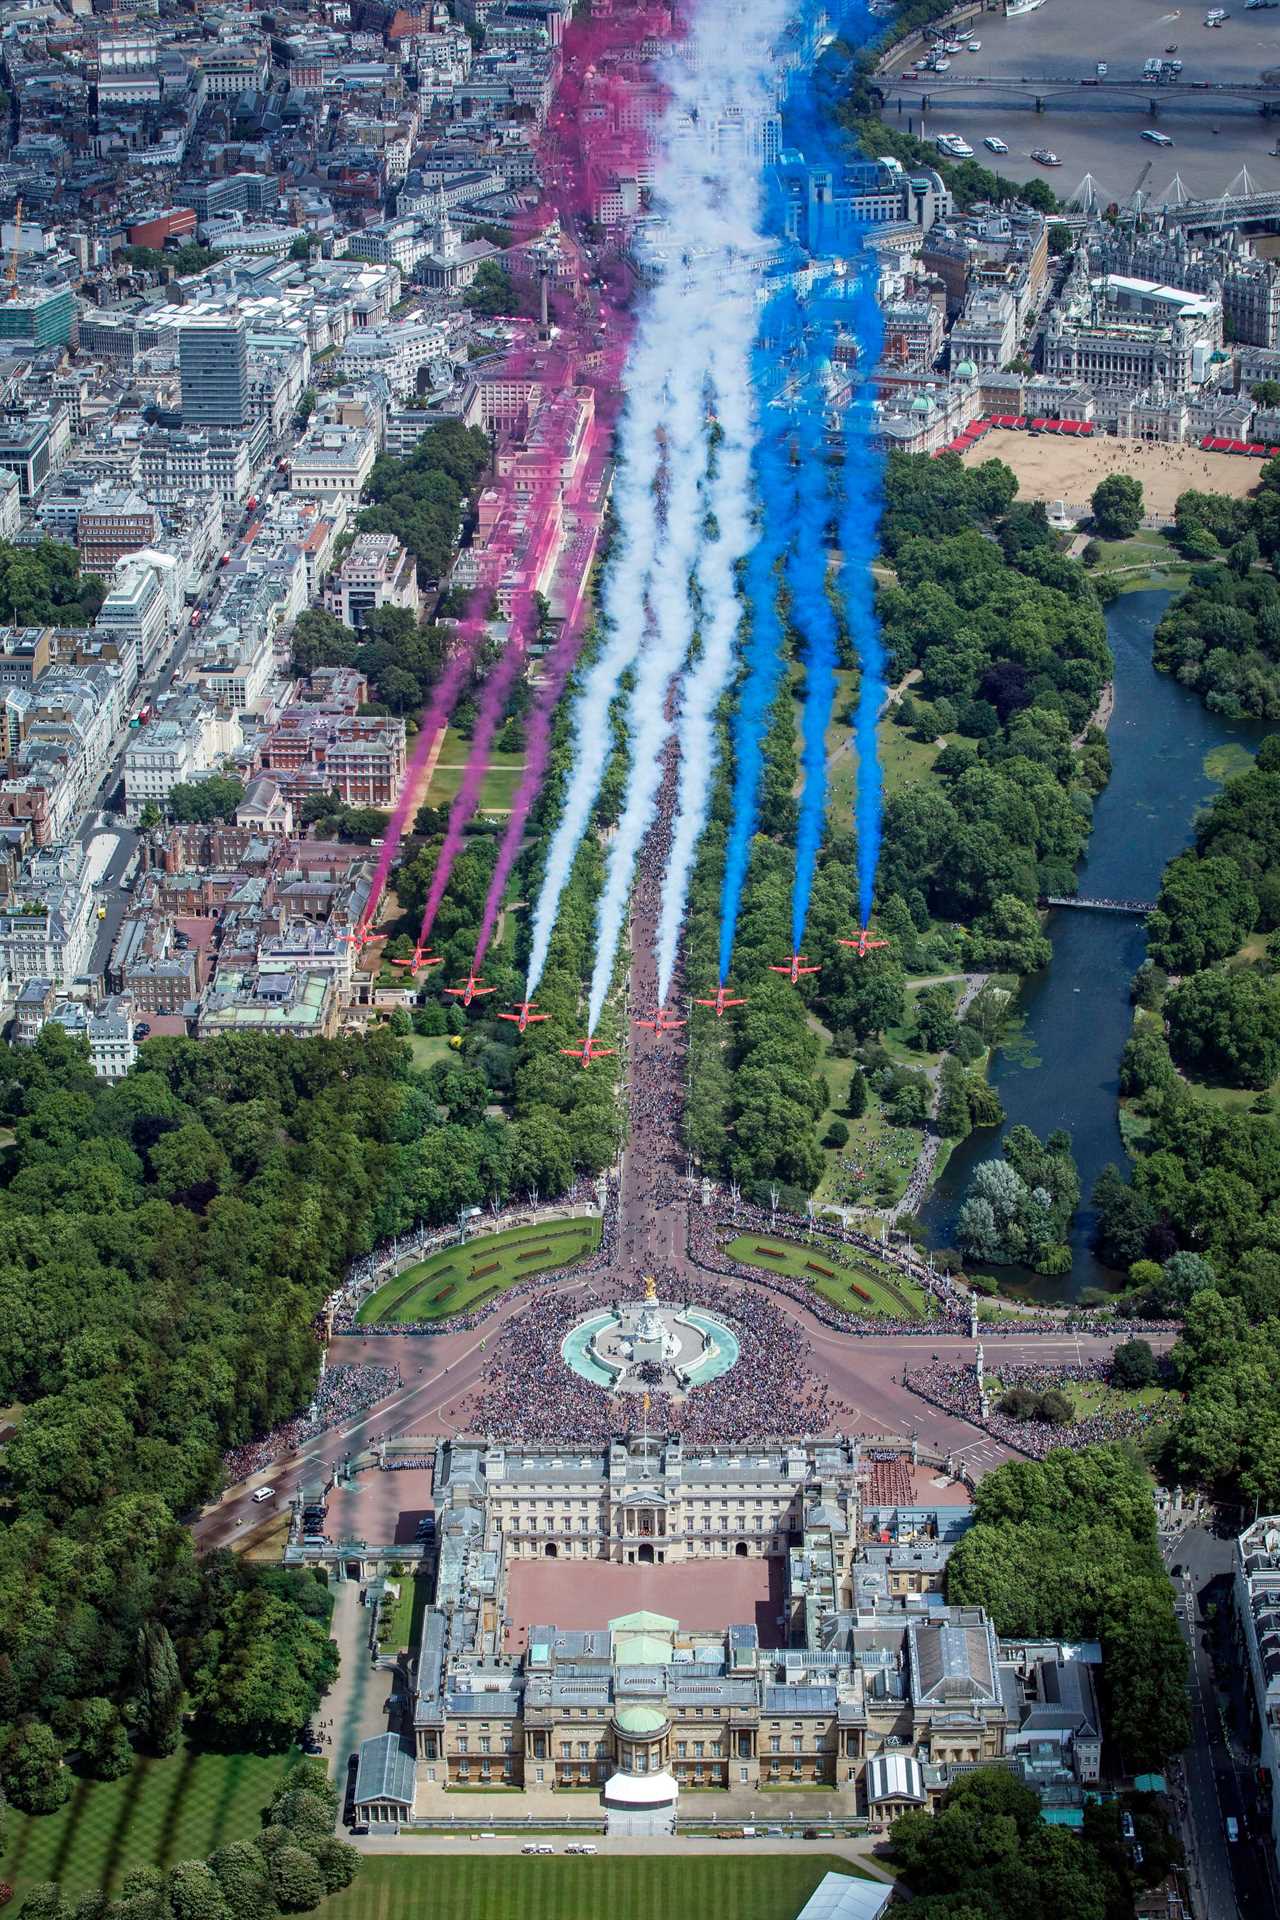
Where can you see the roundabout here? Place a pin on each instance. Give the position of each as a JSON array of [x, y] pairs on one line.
[[643, 1345]]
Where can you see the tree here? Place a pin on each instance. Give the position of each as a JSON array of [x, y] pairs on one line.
[[1061, 239], [492, 291], [1133, 1365], [158, 1696], [102, 1740], [1205, 910], [205, 800], [44, 1901], [194, 1892], [1117, 506], [1226, 1026], [31, 1770], [241, 1872], [296, 1880], [262, 1672]]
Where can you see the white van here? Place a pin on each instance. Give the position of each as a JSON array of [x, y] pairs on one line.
[[263, 1493]]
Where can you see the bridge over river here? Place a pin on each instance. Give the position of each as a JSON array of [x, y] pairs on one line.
[[1037, 92], [1139, 908]]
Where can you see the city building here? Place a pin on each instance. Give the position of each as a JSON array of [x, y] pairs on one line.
[[40, 316], [376, 572], [1114, 330], [333, 460], [1256, 1603], [213, 359], [186, 738], [110, 524], [884, 1697]]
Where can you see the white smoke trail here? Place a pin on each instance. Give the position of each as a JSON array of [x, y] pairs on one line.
[[647, 723], [623, 605], [729, 502], [715, 212]]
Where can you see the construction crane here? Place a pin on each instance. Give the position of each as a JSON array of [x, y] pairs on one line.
[[15, 253]]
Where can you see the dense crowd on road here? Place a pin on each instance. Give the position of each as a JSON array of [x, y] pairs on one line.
[[341, 1392], [956, 1390], [530, 1393]]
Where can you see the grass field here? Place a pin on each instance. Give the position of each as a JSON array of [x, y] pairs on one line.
[[455, 1278], [1088, 1397], [428, 1048], [496, 789], [400, 1619], [506, 1887], [887, 1290], [164, 1811]]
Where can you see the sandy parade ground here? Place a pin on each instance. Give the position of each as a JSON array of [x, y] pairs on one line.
[[1053, 468]]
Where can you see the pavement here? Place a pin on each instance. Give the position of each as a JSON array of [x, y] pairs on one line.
[[357, 1706], [859, 1852]]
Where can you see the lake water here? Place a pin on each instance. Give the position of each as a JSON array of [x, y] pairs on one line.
[[1060, 1061]]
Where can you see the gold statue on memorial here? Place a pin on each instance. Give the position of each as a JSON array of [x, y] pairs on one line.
[[650, 1288]]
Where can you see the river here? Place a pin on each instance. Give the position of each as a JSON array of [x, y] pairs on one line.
[[1059, 1063]]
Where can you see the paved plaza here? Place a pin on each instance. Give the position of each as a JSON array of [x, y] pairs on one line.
[[699, 1594]]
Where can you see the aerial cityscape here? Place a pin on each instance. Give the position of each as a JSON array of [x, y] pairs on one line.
[[640, 957]]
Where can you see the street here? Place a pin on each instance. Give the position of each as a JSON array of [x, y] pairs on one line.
[[1231, 1879]]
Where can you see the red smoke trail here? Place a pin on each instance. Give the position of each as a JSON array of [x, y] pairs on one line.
[[591, 127], [471, 631], [543, 527]]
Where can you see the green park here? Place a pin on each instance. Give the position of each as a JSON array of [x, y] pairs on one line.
[[855, 1282], [458, 1278], [510, 1888]]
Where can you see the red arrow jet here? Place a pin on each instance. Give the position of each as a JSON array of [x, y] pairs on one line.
[[360, 937], [662, 1022], [722, 1002], [794, 968], [587, 1052], [422, 959], [468, 993], [524, 1015], [862, 942]]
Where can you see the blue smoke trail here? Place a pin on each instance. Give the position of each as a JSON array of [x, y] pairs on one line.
[[791, 364], [859, 542], [814, 617], [775, 477]]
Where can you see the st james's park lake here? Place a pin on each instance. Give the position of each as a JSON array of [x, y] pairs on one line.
[[1060, 1061]]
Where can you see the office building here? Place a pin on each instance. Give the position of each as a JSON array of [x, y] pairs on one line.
[[213, 361]]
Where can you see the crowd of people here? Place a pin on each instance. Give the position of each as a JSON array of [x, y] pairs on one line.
[[529, 1393], [341, 1391], [958, 1390]]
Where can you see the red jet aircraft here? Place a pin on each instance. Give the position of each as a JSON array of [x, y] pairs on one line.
[[587, 1052], [360, 937], [422, 959], [794, 968], [662, 1022], [721, 1003], [468, 993], [523, 1015], [862, 942]]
